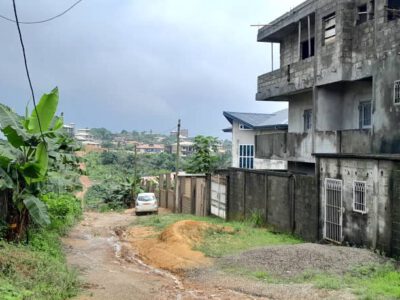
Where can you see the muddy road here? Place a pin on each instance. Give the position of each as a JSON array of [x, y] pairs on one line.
[[109, 268]]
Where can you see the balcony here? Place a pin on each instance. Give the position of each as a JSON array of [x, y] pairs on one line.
[[293, 78], [285, 146], [299, 146], [355, 141]]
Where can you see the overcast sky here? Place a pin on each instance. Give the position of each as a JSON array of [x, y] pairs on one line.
[[141, 64]]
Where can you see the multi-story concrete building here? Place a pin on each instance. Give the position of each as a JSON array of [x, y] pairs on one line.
[[340, 73]]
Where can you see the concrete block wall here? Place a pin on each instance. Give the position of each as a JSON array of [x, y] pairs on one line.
[[287, 202], [372, 229]]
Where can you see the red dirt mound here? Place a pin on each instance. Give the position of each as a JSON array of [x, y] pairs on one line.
[[172, 250]]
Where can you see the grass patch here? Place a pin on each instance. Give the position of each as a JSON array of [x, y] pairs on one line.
[[217, 243], [39, 270], [372, 281]]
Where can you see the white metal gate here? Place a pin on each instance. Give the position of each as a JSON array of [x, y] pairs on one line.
[[333, 229], [218, 196]]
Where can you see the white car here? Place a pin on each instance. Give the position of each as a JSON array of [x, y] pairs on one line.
[[146, 202]]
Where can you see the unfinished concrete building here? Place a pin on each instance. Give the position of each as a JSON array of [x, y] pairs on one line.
[[340, 73]]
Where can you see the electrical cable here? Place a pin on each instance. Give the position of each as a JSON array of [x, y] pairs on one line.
[[27, 70], [45, 20]]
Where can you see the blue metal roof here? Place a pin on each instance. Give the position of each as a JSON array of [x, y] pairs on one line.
[[278, 120]]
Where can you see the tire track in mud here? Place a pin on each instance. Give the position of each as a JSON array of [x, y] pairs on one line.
[[110, 269]]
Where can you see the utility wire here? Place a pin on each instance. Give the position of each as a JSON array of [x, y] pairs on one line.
[[27, 70], [45, 20]]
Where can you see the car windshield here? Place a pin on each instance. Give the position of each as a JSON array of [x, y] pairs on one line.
[[146, 198]]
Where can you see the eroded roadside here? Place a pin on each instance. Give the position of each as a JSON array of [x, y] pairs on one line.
[[109, 268]]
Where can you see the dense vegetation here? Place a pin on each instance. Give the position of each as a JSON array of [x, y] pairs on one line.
[[38, 270], [38, 176]]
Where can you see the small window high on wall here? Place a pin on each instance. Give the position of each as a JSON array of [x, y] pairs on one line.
[[365, 114], [393, 10], [359, 197], [329, 29], [362, 14], [307, 120]]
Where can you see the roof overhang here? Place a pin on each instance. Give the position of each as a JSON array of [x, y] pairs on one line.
[[279, 28]]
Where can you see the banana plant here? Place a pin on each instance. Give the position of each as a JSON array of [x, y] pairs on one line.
[[24, 160]]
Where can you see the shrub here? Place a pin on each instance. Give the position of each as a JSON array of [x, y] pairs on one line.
[[63, 211]]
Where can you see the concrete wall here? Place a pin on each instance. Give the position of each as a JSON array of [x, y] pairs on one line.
[[193, 194], [297, 105], [395, 207], [372, 229], [362, 64], [287, 202]]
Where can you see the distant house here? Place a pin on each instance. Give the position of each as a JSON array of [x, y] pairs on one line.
[[186, 148], [245, 128], [184, 133], [150, 148], [84, 135], [69, 129]]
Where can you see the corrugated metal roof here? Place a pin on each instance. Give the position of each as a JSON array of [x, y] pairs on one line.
[[259, 121]]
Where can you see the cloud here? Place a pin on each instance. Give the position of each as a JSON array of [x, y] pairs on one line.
[[141, 64]]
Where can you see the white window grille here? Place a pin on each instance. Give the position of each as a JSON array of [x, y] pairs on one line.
[[333, 210], [246, 156], [359, 196], [329, 25], [365, 114], [396, 92]]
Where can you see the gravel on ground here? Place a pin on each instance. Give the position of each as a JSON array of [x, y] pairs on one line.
[[291, 260]]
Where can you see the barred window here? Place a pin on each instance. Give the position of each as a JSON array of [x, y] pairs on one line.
[[359, 196], [246, 156], [396, 93]]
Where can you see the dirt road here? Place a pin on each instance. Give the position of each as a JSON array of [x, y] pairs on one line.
[[110, 269]]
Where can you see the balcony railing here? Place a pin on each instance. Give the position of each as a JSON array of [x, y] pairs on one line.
[[299, 146], [286, 80], [285, 146]]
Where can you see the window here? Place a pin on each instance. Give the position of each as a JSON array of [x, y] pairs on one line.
[[246, 156], [329, 28], [393, 10], [396, 94], [307, 119], [372, 9], [333, 229], [244, 127], [305, 51], [365, 114], [362, 14], [359, 203]]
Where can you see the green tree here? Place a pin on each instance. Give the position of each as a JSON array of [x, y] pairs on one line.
[[101, 134], [204, 159]]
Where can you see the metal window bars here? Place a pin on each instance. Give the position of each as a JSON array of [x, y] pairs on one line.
[[333, 230], [359, 196]]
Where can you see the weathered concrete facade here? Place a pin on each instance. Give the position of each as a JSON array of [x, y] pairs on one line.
[[359, 64], [374, 228], [340, 73]]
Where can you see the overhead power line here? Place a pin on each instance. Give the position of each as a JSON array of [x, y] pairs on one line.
[[45, 20], [27, 70]]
